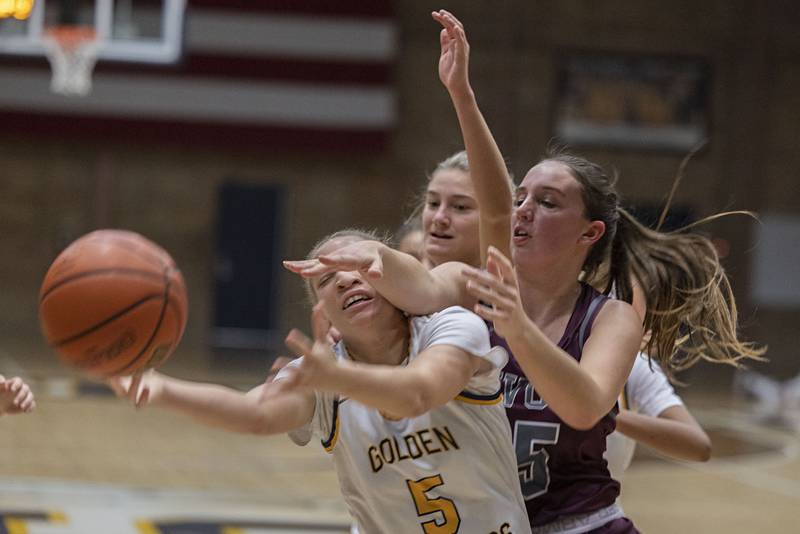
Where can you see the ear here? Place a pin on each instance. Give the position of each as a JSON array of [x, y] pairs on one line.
[[593, 232]]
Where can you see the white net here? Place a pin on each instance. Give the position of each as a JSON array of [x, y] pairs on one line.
[[72, 54]]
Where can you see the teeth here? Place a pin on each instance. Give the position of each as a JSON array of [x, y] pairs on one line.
[[353, 300]]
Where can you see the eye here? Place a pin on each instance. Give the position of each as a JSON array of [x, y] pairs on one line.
[[518, 201], [433, 204], [546, 203], [462, 207], [324, 280]]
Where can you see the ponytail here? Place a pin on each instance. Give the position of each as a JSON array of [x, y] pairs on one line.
[[691, 312]]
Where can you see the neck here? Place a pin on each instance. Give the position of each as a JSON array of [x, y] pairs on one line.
[[385, 345], [546, 298]]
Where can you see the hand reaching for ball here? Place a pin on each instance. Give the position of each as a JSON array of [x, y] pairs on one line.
[[140, 389]]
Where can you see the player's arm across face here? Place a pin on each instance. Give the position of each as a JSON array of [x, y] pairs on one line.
[[269, 408], [400, 278]]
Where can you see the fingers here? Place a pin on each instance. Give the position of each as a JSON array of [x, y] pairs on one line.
[[298, 342], [306, 268], [505, 265], [134, 389], [144, 398], [119, 385], [320, 324], [279, 363], [488, 287], [334, 336], [496, 316], [375, 269]]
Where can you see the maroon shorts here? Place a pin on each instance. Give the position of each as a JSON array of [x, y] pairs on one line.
[[621, 525]]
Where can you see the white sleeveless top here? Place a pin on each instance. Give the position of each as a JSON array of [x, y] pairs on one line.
[[450, 470]]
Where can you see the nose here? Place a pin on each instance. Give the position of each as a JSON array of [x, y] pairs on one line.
[[346, 280], [440, 217], [524, 211]]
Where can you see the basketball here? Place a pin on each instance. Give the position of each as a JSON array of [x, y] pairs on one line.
[[112, 303]]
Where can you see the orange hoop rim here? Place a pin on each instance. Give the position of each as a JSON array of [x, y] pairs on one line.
[[71, 36]]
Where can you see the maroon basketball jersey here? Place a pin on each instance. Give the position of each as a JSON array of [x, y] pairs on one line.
[[562, 470]]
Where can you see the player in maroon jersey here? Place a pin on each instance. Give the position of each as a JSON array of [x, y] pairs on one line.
[[575, 345]]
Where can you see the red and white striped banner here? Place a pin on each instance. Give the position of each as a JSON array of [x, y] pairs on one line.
[[310, 74]]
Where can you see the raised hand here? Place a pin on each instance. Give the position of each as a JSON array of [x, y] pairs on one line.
[[140, 389], [362, 256], [15, 396], [454, 58], [497, 292], [314, 370]]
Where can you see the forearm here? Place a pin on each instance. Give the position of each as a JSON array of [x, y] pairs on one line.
[[560, 381], [408, 285], [676, 439], [395, 391], [216, 406], [488, 172]]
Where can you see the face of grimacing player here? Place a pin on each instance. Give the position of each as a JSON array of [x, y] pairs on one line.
[[349, 302], [450, 219]]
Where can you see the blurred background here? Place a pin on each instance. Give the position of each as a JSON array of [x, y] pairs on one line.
[[237, 133]]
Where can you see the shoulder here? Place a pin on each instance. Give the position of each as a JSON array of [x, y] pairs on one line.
[[452, 326], [454, 316], [619, 313]]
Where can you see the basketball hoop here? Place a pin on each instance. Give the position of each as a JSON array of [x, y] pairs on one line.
[[72, 51]]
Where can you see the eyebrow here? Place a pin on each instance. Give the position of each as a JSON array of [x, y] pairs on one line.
[[544, 187], [457, 197]]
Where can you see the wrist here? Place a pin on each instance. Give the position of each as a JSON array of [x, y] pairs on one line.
[[520, 329], [463, 96]]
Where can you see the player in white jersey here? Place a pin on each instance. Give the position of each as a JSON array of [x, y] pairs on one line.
[[409, 408], [652, 413], [446, 467]]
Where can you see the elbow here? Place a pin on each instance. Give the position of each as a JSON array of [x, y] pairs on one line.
[[418, 403], [704, 449], [583, 421], [260, 425]]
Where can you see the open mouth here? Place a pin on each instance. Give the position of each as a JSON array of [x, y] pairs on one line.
[[355, 299], [520, 235], [440, 236]]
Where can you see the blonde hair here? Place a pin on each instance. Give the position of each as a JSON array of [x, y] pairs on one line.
[[360, 234]]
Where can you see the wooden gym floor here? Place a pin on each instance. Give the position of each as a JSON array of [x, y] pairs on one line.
[[87, 463]]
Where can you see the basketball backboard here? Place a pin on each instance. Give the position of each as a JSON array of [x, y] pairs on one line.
[[139, 31]]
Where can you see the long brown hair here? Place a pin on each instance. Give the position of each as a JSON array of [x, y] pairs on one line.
[[691, 311]]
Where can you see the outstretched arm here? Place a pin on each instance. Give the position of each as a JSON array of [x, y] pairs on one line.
[[490, 178], [398, 277], [674, 433], [270, 408], [434, 377]]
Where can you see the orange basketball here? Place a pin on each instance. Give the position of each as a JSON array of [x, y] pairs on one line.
[[113, 302]]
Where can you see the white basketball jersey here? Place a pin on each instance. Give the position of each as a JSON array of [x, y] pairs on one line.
[[450, 470], [647, 392]]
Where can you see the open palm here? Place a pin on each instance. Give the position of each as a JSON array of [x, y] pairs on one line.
[[454, 57]]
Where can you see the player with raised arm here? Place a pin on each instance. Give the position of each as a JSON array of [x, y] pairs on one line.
[[573, 346]]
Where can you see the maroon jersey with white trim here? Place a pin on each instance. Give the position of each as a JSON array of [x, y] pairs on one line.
[[561, 470]]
